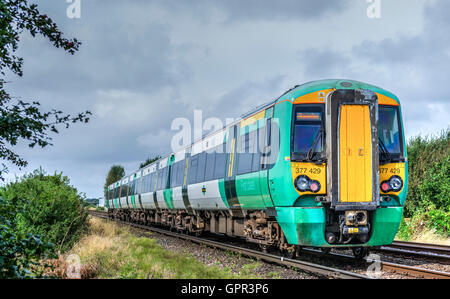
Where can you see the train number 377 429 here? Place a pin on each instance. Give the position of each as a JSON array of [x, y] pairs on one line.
[[305, 170], [390, 170]]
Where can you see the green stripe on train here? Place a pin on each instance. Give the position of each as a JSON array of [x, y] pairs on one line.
[[168, 198], [133, 201], [222, 193]]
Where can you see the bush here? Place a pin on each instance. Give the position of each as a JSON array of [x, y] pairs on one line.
[[434, 224], [19, 252], [404, 230], [428, 201], [435, 189], [439, 220], [52, 209], [428, 180]]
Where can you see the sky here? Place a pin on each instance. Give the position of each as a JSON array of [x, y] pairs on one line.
[[144, 63]]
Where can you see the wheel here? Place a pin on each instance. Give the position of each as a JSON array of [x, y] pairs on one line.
[[360, 252], [263, 248], [291, 254], [325, 250]]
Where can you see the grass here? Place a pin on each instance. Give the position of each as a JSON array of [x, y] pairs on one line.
[[415, 229], [113, 251]]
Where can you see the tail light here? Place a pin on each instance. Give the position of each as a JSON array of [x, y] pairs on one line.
[[385, 187], [314, 186]]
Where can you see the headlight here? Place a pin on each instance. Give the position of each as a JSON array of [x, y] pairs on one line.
[[302, 183], [395, 183]]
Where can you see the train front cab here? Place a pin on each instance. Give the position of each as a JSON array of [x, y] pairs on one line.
[[349, 169]]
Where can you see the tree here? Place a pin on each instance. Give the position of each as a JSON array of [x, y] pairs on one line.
[[149, 161], [20, 120], [115, 173]]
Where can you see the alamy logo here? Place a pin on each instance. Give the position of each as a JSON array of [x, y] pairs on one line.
[[374, 9], [74, 9], [374, 269], [264, 140], [73, 266]]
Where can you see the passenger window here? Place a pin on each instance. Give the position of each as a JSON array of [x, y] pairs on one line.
[[244, 154], [160, 179], [123, 191], [143, 186], [165, 182], [256, 164], [131, 188], [157, 179], [151, 182], [180, 174], [147, 183], [138, 186], [209, 171], [173, 174], [201, 168], [193, 169], [220, 163]]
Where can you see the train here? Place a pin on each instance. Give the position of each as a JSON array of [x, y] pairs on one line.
[[323, 166]]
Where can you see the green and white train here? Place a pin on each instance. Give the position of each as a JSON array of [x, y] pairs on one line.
[[324, 165]]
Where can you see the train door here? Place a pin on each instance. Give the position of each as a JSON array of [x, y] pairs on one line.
[[265, 137], [352, 147], [230, 176], [355, 154]]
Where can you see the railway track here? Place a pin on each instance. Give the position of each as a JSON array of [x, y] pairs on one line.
[[411, 271], [440, 252], [316, 269]]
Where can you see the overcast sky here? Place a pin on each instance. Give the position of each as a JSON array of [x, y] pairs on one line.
[[144, 62]]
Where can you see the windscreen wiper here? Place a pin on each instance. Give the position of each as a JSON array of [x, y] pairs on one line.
[[384, 150], [310, 154]]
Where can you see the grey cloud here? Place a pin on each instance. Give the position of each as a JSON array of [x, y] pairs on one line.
[[247, 96], [142, 60], [427, 55], [238, 10], [319, 64]]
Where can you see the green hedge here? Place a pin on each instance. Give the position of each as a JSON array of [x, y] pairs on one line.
[[429, 181], [44, 209]]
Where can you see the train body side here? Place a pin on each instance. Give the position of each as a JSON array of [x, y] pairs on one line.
[[254, 199]]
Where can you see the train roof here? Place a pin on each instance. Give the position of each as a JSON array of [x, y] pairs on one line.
[[318, 85]]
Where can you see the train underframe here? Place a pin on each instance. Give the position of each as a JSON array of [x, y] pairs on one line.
[[254, 226]]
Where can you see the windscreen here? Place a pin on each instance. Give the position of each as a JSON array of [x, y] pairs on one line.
[[389, 129], [307, 131]]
